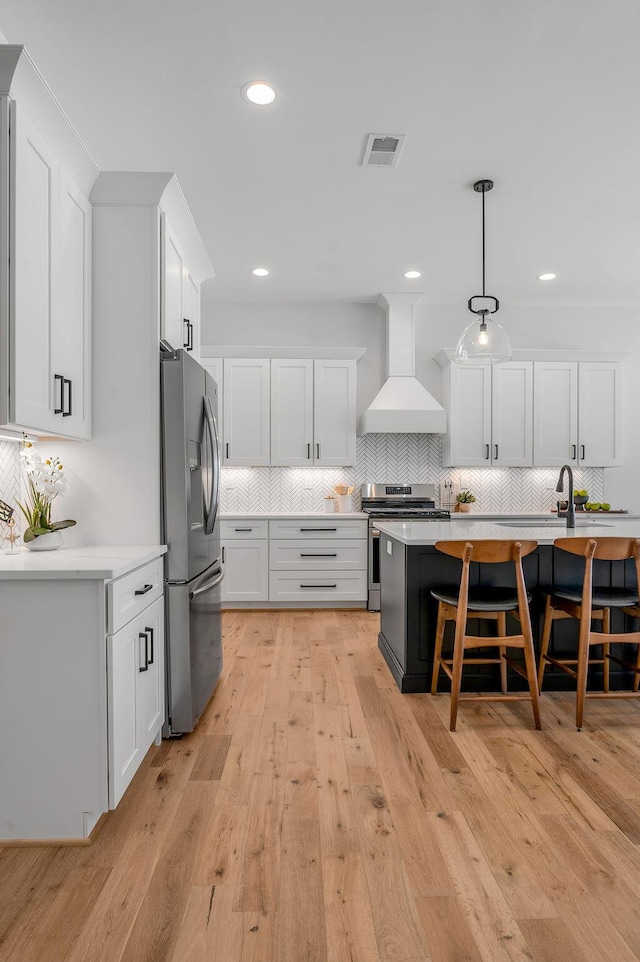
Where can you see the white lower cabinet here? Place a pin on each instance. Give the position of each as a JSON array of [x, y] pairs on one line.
[[135, 672], [302, 562], [246, 570], [81, 689]]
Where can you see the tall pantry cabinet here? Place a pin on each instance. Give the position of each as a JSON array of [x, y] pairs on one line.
[[46, 176], [120, 468]]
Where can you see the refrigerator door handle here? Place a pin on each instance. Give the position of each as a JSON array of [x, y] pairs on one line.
[[214, 497], [209, 585]]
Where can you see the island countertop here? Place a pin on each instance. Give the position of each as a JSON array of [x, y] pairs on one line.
[[544, 532]]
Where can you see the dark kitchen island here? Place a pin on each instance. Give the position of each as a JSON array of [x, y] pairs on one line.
[[410, 566]]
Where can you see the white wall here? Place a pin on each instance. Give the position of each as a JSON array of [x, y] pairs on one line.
[[439, 326]]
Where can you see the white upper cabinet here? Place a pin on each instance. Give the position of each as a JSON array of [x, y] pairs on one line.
[[191, 311], [512, 414], [555, 419], [180, 298], [334, 412], [599, 414], [532, 412], [173, 328], [468, 396], [291, 411], [577, 413], [71, 347], [48, 308], [247, 391]]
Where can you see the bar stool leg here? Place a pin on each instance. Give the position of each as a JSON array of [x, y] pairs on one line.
[[606, 629], [546, 637], [437, 651], [583, 669], [456, 681], [530, 663], [502, 632]]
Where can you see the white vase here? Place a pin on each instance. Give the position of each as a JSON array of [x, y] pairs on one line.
[[45, 542]]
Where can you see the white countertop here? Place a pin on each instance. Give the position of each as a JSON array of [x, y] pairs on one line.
[[542, 516], [428, 532], [100, 563], [243, 515]]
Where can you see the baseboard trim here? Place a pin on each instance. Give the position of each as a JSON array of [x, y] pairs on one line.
[[56, 842]]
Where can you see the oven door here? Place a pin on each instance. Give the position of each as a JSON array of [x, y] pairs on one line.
[[373, 603]]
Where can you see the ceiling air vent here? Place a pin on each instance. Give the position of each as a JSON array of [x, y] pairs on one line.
[[382, 150]]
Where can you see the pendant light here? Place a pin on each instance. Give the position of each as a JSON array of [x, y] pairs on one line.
[[484, 340]]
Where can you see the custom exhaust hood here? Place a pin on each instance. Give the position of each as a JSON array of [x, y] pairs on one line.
[[402, 405]]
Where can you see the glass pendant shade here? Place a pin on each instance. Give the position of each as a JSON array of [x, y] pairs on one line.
[[483, 341]]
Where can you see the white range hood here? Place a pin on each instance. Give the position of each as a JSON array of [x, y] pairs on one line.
[[402, 405]]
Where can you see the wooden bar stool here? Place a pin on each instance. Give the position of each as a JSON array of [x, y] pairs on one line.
[[588, 604], [485, 602]]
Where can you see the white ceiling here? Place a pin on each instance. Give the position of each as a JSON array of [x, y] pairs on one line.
[[542, 97]]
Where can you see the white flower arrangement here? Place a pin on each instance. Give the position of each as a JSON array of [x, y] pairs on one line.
[[46, 479]]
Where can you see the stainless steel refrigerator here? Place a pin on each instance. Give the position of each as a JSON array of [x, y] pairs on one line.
[[193, 569]]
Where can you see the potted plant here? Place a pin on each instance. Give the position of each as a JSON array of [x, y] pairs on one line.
[[46, 479], [464, 500]]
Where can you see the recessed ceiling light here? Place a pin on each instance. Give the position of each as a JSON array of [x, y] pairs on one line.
[[411, 275], [260, 271], [259, 92], [546, 277]]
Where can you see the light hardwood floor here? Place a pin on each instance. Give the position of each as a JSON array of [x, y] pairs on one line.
[[318, 815]]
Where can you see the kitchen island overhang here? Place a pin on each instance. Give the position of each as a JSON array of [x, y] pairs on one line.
[[410, 566]]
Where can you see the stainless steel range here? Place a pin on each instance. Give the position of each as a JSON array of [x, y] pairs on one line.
[[392, 502]]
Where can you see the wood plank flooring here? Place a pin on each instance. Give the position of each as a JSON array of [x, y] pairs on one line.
[[318, 815]]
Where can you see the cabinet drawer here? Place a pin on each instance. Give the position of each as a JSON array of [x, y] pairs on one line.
[[317, 555], [131, 594], [313, 586], [249, 528], [315, 528]]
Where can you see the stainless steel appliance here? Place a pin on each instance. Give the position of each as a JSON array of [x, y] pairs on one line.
[[394, 502], [193, 569]]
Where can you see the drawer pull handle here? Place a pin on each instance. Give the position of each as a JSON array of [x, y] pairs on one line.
[[144, 636], [318, 529], [243, 529], [304, 554], [59, 377], [143, 591], [318, 586], [150, 632]]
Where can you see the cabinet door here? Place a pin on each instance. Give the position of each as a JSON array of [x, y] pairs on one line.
[[152, 693], [173, 328], [469, 416], [512, 414], [246, 411], [125, 658], [71, 341], [555, 413], [191, 312], [34, 188], [291, 412], [599, 414], [246, 571], [334, 412], [215, 367]]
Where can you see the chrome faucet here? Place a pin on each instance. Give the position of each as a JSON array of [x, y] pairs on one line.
[[571, 513]]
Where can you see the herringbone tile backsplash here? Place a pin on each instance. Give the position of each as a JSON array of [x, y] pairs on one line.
[[398, 458], [10, 472]]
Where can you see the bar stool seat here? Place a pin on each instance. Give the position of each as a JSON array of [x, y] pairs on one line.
[[600, 597], [588, 604], [490, 602], [489, 598]]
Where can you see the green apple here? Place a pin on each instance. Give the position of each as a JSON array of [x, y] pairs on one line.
[[604, 506], [580, 494], [595, 506]]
